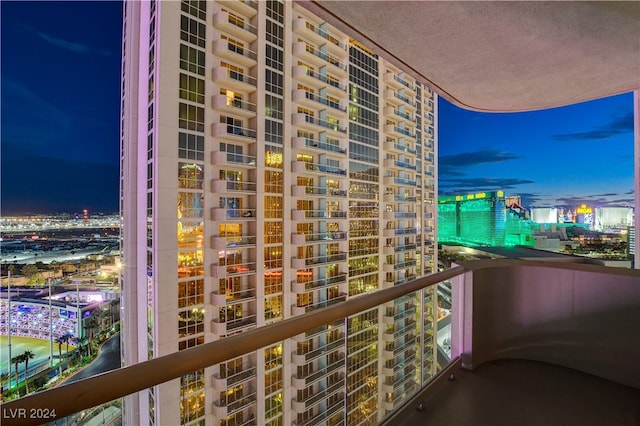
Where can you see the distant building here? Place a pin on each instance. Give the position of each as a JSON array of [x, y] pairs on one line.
[[613, 217], [512, 199], [544, 215], [481, 219]]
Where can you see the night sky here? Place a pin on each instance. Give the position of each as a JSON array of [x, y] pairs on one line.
[[60, 107]]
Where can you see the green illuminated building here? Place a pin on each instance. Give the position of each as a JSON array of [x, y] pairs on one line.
[[481, 219]]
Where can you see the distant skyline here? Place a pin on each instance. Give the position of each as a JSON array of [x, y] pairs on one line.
[[60, 108], [563, 157]]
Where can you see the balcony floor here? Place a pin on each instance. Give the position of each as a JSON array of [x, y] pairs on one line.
[[526, 393]]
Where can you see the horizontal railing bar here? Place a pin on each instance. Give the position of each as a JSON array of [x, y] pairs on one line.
[[74, 397]]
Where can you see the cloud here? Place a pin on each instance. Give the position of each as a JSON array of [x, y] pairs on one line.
[[452, 165], [598, 200], [67, 45], [618, 125], [480, 184], [528, 198], [609, 194]]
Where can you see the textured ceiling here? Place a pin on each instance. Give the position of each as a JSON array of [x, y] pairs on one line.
[[502, 55]]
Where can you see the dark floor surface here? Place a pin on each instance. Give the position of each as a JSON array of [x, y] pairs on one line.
[[526, 393]]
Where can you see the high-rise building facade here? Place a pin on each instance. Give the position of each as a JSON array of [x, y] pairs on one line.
[[272, 165]]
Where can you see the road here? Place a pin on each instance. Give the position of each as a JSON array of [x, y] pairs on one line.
[[108, 359]]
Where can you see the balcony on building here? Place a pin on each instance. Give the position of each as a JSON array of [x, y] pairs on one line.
[[428, 119], [300, 166], [318, 237], [237, 107], [403, 115], [399, 82], [399, 131], [314, 145], [389, 233], [223, 409], [222, 214], [390, 163], [235, 25], [390, 215], [319, 283], [400, 99], [233, 159], [319, 125], [223, 328], [244, 293], [220, 270], [234, 80], [565, 328], [299, 310], [302, 358], [300, 215], [234, 132], [236, 54], [429, 158], [320, 36], [315, 398], [312, 100], [221, 384], [248, 8], [303, 263], [320, 191], [232, 241], [399, 146], [398, 248], [394, 180], [390, 197], [332, 83], [337, 366], [315, 56], [222, 186]]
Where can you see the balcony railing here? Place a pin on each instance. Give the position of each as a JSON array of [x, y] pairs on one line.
[[324, 101], [326, 146], [334, 82], [324, 123], [577, 315]]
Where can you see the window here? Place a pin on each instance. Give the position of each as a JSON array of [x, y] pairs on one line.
[[190, 321], [273, 310], [192, 59], [197, 8], [192, 31], [274, 33], [191, 117], [274, 57], [236, 20], [273, 106], [190, 176], [273, 182], [273, 235], [272, 209], [190, 147], [190, 293], [272, 131], [273, 82], [234, 45], [191, 88], [273, 156]]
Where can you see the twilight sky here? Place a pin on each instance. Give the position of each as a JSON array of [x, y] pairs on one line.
[[59, 148]]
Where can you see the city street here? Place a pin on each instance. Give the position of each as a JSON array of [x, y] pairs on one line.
[[108, 359]]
